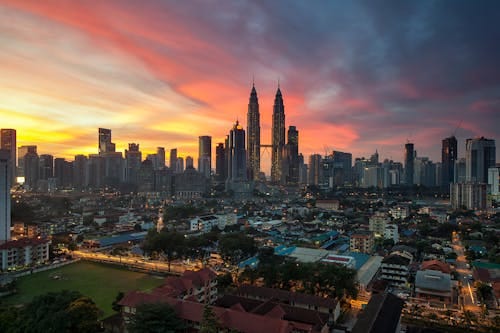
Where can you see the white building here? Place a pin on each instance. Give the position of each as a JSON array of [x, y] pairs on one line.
[[206, 223], [378, 223], [400, 212], [494, 182], [23, 252], [391, 232]]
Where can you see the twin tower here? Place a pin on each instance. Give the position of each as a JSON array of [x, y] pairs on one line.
[[283, 156]]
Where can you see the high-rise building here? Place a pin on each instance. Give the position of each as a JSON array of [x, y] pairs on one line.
[[480, 154], [133, 160], [63, 172], [314, 169], [409, 163], [237, 165], [494, 182], [173, 159], [468, 195], [179, 165], [220, 162], [46, 164], [205, 155], [278, 138], [190, 163], [253, 135], [449, 155], [160, 152], [460, 166], [21, 152], [104, 141], [8, 142], [30, 167], [5, 202], [80, 172], [292, 156]]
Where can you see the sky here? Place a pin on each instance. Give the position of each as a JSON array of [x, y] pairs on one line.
[[356, 76]]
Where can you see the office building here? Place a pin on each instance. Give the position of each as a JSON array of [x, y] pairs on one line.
[[30, 168], [409, 163], [8, 142], [80, 172], [460, 171], [253, 135], [220, 162], [21, 152], [480, 155], [292, 156], [449, 155], [205, 155], [237, 166], [104, 141], [46, 164], [278, 139], [315, 169], [179, 165], [160, 152], [190, 163], [63, 173], [133, 160], [5, 179], [173, 159]]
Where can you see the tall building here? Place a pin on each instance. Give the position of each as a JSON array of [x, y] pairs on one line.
[[30, 167], [8, 142], [449, 155], [190, 163], [469, 195], [5, 178], [459, 172], [278, 138], [237, 166], [104, 141], [173, 159], [409, 161], [220, 162], [46, 164], [179, 165], [292, 156], [253, 135], [205, 155], [21, 152], [480, 154], [80, 172], [160, 152], [63, 172], [314, 169], [133, 160]]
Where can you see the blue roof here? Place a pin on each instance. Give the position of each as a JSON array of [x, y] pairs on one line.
[[361, 258], [328, 244], [343, 248], [109, 241], [250, 262], [283, 250]]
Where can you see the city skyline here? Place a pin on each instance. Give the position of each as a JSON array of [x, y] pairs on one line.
[[157, 74]]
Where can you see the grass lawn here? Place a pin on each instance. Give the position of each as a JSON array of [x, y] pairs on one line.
[[97, 281]]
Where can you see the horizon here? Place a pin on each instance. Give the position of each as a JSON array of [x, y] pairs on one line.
[[356, 77]]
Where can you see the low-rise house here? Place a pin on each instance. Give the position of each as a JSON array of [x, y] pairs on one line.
[[433, 285]]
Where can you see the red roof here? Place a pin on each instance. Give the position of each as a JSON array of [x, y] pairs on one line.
[[436, 265], [23, 242]]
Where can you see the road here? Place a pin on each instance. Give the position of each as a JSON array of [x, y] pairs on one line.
[[148, 265], [468, 292]]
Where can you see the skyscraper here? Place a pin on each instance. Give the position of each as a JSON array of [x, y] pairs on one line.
[[205, 155], [292, 156], [189, 162], [8, 142], [278, 138], [80, 172], [237, 166], [480, 154], [220, 162], [21, 152], [46, 164], [409, 163], [160, 151], [314, 169], [253, 135], [173, 159], [448, 157], [5, 179], [104, 141], [133, 160]]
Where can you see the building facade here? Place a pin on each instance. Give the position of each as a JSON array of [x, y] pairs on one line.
[[480, 155], [253, 135], [449, 155], [205, 155], [8, 142], [278, 139]]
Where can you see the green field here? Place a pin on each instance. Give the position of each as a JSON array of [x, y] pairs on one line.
[[97, 281]]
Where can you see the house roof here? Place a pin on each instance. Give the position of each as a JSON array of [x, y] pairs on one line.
[[283, 295], [436, 265], [395, 259], [381, 315], [22, 243], [433, 280]]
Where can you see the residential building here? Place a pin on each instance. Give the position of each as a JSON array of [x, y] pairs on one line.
[[395, 269], [133, 160], [23, 252], [5, 201], [377, 223], [469, 195], [173, 159], [391, 232], [362, 241], [220, 163]]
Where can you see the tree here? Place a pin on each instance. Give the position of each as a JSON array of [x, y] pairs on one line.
[[115, 306], [170, 243], [236, 246], [9, 315], [155, 318], [209, 322], [65, 311]]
